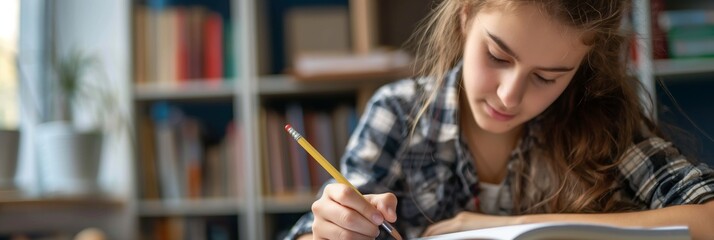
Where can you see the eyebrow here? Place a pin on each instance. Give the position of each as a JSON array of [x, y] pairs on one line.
[[508, 50], [502, 45]]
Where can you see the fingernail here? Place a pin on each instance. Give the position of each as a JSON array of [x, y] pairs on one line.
[[391, 211], [377, 218]]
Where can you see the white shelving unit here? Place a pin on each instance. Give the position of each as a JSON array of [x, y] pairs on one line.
[[191, 90], [203, 207], [645, 65], [682, 67], [251, 225], [236, 92]]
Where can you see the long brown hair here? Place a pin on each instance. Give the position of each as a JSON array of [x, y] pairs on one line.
[[573, 168]]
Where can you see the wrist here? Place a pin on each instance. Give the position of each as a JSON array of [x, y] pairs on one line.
[[522, 219], [307, 236]]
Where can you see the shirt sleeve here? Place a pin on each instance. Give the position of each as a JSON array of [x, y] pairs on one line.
[[368, 162], [660, 176]]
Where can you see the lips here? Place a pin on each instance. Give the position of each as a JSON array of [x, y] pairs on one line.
[[498, 115]]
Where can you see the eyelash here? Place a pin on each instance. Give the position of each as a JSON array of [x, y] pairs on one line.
[[544, 80], [501, 61]]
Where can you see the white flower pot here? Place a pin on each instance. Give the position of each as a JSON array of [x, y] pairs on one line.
[[9, 147], [68, 160]]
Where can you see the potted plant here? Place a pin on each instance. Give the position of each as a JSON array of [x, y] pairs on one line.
[[70, 141]]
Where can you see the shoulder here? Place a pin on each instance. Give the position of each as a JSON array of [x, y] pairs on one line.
[[396, 100], [404, 90]]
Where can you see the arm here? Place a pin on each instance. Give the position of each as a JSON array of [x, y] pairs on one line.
[[676, 191]]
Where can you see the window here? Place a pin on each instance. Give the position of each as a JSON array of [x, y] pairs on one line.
[[9, 24]]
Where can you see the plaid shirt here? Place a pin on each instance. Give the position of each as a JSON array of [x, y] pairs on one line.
[[433, 174]]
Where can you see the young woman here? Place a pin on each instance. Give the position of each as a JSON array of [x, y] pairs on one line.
[[523, 113]]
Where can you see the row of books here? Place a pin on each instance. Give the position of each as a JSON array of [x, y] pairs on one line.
[[690, 33], [176, 163], [173, 44], [194, 228], [287, 168], [678, 33]]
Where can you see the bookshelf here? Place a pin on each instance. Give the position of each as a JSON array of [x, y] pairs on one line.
[[187, 96], [259, 211], [651, 67], [686, 78], [260, 88]]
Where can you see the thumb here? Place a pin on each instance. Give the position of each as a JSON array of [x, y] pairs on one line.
[[386, 203]]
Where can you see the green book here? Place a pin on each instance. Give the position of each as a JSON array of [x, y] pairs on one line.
[[691, 41]]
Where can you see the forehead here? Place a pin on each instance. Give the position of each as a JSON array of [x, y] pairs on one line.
[[531, 33]]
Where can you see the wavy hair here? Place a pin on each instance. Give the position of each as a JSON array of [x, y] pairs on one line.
[[573, 167]]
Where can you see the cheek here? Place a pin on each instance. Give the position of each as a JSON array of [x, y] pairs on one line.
[[479, 78], [539, 101]]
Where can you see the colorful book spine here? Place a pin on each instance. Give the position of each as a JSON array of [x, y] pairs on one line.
[[691, 41], [681, 18]]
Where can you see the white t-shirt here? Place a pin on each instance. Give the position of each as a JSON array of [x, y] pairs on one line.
[[488, 197]]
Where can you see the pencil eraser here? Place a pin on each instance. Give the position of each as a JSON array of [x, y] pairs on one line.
[[288, 127]]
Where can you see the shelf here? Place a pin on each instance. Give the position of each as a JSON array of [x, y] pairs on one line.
[[61, 214], [199, 207], [58, 203], [275, 85], [198, 89], [288, 204], [678, 67]]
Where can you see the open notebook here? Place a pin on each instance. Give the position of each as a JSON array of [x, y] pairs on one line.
[[557, 230]]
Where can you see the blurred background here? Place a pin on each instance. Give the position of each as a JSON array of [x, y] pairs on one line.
[[162, 119]]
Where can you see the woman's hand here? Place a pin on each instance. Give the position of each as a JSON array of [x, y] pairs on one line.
[[341, 213], [468, 221]]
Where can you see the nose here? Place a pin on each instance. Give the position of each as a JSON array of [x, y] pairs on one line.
[[511, 89]]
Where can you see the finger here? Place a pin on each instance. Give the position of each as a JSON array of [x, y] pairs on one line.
[[434, 229], [348, 197], [386, 203], [323, 229], [344, 217]]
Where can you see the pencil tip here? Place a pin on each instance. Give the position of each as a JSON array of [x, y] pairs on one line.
[[288, 127]]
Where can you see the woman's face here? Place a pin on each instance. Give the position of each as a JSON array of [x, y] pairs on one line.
[[516, 63]]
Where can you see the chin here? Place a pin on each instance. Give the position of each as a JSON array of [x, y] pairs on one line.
[[496, 127]]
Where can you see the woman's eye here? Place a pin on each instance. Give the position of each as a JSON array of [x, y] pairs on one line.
[[495, 59], [544, 80]]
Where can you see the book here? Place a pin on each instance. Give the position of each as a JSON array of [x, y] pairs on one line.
[[336, 66], [682, 18], [693, 41], [564, 230]]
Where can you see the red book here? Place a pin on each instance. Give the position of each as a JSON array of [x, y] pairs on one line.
[[213, 47], [182, 73], [659, 37]]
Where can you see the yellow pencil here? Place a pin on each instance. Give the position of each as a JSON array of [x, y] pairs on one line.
[[334, 173]]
